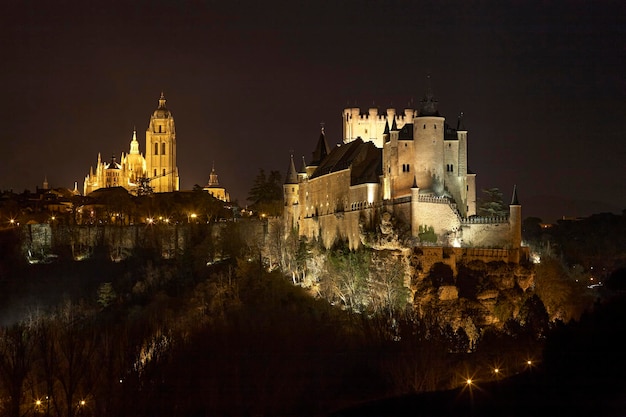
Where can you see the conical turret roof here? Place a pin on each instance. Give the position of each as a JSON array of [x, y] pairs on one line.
[[321, 149]]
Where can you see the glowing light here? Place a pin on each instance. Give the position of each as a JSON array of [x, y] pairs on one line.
[[469, 381], [371, 192]]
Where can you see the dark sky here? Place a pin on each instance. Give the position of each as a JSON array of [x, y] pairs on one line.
[[542, 85]]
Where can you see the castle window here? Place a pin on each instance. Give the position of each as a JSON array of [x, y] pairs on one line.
[[155, 172], [451, 168], [435, 126], [160, 129], [408, 168], [156, 148], [163, 148], [424, 126], [164, 171]]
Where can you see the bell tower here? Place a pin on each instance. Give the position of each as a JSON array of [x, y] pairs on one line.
[[161, 150]]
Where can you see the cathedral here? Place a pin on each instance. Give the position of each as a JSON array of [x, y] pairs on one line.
[[157, 170], [412, 167]]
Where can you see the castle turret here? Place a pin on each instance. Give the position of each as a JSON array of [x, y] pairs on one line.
[[291, 190], [302, 171], [428, 135], [415, 192], [515, 221]]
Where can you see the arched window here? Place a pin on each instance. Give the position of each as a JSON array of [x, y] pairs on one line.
[[156, 148], [163, 148]]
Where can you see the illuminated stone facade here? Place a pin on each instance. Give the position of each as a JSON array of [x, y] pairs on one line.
[[158, 168], [213, 187], [413, 166]]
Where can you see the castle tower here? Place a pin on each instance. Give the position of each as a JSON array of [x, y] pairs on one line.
[[161, 150], [428, 134], [291, 191], [515, 221]]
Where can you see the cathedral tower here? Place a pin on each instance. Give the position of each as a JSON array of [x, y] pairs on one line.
[[161, 150]]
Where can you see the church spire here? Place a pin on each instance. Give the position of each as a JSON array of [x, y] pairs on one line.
[[213, 182], [134, 145], [162, 101]]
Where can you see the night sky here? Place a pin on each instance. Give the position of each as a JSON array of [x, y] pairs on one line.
[[542, 86]]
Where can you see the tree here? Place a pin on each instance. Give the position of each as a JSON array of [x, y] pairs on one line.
[[16, 348], [106, 294], [491, 204], [266, 194]]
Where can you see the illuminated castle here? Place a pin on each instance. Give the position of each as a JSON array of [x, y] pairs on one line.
[[157, 169], [412, 167]]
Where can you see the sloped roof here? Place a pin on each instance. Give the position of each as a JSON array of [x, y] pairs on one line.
[[364, 158], [406, 133], [321, 150], [292, 175]]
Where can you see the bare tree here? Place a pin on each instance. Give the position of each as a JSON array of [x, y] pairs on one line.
[[16, 353]]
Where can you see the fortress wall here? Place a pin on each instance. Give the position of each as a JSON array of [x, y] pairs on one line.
[[338, 226], [486, 235], [439, 216], [400, 211]]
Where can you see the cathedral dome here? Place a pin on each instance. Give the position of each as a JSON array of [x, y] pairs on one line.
[[161, 112]]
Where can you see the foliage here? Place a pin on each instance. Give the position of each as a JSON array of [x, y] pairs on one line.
[[491, 204], [346, 279], [266, 194], [106, 294], [427, 234]]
